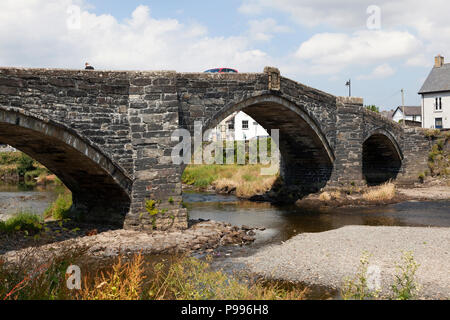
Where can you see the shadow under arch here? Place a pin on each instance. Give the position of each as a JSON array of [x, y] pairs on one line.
[[382, 157], [100, 188], [306, 156]]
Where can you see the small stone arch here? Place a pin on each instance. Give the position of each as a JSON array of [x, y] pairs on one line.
[[382, 157], [100, 188]]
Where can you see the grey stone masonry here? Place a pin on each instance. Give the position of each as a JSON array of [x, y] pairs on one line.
[[107, 135]]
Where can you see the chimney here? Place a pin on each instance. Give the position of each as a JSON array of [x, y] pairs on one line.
[[438, 61]]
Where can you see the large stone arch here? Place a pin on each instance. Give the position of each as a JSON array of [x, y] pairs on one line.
[[307, 158], [100, 188], [382, 157]]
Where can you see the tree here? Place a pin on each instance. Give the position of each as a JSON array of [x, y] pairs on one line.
[[373, 108]]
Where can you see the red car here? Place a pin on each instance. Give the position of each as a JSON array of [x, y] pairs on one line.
[[222, 70]]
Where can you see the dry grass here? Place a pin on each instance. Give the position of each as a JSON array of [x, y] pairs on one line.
[[328, 196], [177, 278], [381, 193], [325, 196]]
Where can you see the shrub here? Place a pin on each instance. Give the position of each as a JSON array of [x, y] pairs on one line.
[[25, 164], [23, 221], [59, 209], [357, 288], [405, 286], [432, 133]]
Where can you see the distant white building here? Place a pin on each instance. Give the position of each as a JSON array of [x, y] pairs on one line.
[[412, 113], [436, 96], [7, 148], [237, 126]]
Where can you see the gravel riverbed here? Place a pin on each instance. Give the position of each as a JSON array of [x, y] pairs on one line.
[[327, 258]]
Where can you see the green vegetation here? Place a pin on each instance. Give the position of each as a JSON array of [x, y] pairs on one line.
[[17, 165], [373, 108], [357, 288], [26, 222], [438, 159], [432, 133], [404, 286], [60, 207], [201, 175], [134, 279], [25, 164]]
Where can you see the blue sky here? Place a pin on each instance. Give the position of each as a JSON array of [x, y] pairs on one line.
[[321, 43]]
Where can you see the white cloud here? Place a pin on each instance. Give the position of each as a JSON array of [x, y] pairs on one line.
[[263, 30], [427, 20], [329, 53], [380, 72], [34, 33]]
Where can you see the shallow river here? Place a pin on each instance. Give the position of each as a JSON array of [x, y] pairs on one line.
[[282, 223]]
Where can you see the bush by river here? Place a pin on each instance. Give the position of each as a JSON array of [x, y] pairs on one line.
[[17, 167]]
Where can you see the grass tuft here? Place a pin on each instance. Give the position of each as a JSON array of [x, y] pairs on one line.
[[22, 221], [381, 193]]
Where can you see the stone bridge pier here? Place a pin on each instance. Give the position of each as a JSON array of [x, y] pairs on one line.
[[108, 135]]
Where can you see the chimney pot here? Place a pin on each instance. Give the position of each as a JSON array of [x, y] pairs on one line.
[[438, 61]]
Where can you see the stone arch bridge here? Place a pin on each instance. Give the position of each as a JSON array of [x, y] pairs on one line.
[[107, 134]]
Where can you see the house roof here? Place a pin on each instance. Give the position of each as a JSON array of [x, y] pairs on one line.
[[410, 110], [387, 113], [438, 80]]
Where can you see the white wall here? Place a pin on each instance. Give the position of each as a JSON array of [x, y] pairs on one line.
[[398, 115], [430, 113], [221, 132], [254, 129]]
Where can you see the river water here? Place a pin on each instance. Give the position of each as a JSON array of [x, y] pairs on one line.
[[282, 223]]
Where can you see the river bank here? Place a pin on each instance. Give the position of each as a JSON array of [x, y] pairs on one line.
[[327, 258], [102, 242]]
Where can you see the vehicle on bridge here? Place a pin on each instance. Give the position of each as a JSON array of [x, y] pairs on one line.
[[222, 70]]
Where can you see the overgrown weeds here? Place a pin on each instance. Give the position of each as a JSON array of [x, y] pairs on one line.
[[134, 279], [404, 286]]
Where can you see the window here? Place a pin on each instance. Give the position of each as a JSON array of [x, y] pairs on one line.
[[231, 125], [438, 123], [244, 124], [438, 104]]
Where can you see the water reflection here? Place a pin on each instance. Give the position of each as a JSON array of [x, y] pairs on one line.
[[282, 223], [33, 199]]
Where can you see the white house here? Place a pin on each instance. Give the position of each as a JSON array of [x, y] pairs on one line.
[[412, 113], [436, 96], [237, 126]]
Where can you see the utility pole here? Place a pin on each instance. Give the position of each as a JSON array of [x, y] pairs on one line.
[[403, 107], [349, 85]]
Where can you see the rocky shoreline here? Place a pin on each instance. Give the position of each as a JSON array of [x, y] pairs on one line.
[[201, 236]]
